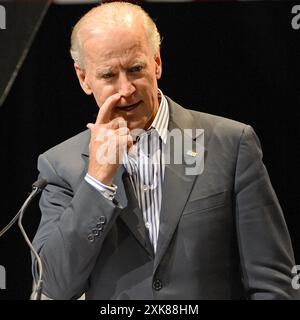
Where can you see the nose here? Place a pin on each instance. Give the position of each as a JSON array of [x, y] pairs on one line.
[[126, 87]]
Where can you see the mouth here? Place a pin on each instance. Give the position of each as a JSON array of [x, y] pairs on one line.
[[128, 107]]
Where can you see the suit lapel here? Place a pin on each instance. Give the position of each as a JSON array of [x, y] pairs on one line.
[[177, 183]]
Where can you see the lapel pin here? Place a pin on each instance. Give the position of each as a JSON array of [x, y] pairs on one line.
[[192, 153]]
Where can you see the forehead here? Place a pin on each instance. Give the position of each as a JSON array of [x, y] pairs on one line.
[[115, 43]]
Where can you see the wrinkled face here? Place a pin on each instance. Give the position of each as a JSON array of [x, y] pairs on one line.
[[119, 60]]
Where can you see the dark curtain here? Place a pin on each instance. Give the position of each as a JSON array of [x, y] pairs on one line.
[[238, 60]]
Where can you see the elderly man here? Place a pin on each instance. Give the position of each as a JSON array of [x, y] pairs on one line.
[[121, 219]]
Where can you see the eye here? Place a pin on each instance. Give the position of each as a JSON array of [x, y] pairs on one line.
[[136, 69], [107, 75]]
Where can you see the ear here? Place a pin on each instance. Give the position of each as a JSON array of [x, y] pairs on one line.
[[81, 75], [158, 65]]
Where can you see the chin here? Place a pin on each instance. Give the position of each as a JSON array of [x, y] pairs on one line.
[[136, 125]]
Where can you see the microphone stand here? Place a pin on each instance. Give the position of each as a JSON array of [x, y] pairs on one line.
[[38, 286], [37, 187]]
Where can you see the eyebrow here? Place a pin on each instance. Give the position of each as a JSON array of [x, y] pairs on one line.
[[106, 70], [100, 72], [140, 63]]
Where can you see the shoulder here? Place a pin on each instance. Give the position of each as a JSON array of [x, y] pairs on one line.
[[66, 159], [71, 147], [213, 125]]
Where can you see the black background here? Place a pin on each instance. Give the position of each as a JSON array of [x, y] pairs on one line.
[[238, 60]]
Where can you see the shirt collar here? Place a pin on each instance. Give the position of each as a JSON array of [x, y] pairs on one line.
[[160, 124], [161, 120]]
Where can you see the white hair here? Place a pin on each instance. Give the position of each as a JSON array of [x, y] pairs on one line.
[[110, 15]]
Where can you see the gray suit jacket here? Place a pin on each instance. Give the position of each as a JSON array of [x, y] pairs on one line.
[[222, 233]]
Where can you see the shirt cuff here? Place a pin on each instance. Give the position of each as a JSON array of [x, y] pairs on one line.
[[108, 192]]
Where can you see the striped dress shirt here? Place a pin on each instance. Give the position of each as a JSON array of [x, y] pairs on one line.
[[145, 166]]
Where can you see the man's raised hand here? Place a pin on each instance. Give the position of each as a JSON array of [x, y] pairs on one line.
[[110, 138]]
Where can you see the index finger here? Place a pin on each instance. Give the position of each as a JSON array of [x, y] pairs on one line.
[[106, 109]]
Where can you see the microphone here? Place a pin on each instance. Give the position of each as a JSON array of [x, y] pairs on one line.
[[40, 184], [37, 187]]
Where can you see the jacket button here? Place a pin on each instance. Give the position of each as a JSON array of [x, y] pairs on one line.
[[91, 238], [157, 284], [102, 219], [99, 226], [96, 232]]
